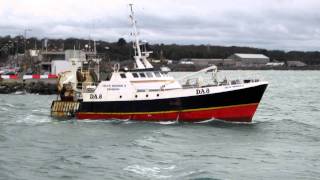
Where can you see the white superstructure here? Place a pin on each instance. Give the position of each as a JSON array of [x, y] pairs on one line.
[[144, 83]]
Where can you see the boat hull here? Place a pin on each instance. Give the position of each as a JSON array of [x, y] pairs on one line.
[[235, 106]]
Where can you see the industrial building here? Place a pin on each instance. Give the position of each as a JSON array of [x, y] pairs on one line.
[[208, 62], [296, 64], [249, 59]]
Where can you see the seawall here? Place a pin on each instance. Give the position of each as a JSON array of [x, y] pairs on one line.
[[45, 87]]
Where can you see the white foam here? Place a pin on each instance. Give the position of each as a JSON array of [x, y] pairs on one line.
[[206, 121], [168, 122], [32, 119], [150, 172]]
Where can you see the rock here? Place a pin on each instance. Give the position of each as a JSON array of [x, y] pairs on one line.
[[38, 87]]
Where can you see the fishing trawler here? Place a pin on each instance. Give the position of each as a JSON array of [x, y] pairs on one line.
[[145, 94]]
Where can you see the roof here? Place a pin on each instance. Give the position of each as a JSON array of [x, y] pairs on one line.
[[202, 59], [296, 63], [251, 56]]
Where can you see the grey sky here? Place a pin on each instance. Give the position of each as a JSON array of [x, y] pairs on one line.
[[271, 24]]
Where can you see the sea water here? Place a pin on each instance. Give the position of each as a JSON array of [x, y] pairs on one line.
[[283, 142]]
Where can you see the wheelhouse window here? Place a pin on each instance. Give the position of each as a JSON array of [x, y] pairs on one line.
[[162, 74], [122, 75], [149, 74], [142, 75], [157, 74], [135, 75]]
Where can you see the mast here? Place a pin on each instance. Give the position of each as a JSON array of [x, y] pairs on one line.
[[139, 57], [135, 32]]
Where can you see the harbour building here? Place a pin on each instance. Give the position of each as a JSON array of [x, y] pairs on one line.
[[249, 60]]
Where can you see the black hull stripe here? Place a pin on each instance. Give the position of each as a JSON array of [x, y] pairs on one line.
[[158, 112]]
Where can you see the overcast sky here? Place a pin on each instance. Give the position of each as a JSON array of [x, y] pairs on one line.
[[271, 24]]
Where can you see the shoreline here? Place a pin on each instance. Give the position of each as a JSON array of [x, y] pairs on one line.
[[187, 68], [49, 86], [42, 87]]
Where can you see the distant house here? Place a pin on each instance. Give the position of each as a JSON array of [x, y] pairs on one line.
[[249, 59], [275, 64], [210, 62], [48, 56], [163, 61], [185, 61], [34, 53], [79, 54], [296, 64]]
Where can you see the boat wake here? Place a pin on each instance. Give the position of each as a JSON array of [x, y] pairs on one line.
[[34, 119], [168, 122], [212, 121], [150, 172]]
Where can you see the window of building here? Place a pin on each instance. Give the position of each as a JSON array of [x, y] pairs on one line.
[[142, 75], [122, 75], [149, 74], [157, 74]]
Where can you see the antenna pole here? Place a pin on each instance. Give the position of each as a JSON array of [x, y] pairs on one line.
[[135, 32]]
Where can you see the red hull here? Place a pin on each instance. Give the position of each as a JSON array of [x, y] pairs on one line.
[[236, 113]]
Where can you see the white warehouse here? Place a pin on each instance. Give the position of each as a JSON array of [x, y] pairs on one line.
[[250, 59]]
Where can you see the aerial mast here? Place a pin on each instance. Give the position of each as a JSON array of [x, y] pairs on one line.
[[135, 32], [139, 57]]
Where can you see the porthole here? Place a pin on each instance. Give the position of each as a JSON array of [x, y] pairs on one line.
[[120, 97], [136, 96], [147, 95], [157, 95]]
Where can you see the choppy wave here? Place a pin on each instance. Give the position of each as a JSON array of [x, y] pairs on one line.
[[150, 172], [281, 143]]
